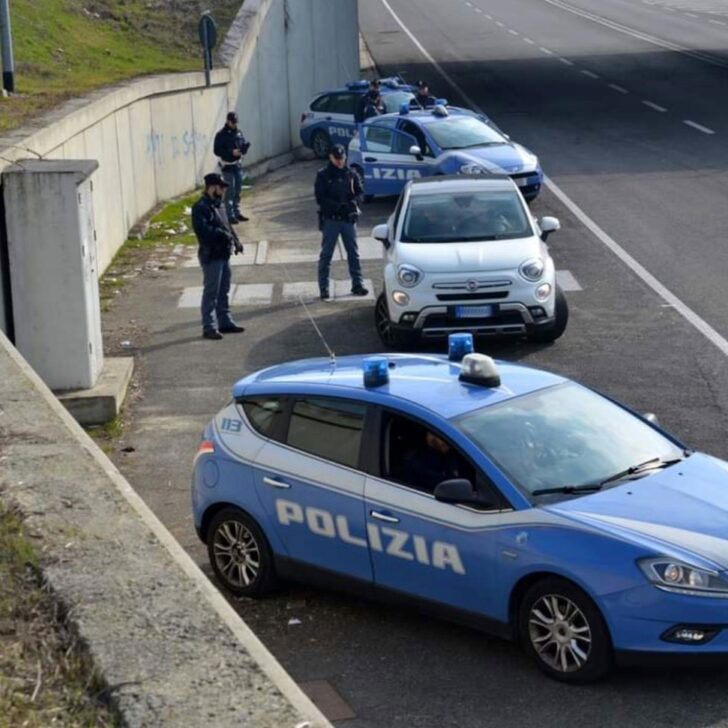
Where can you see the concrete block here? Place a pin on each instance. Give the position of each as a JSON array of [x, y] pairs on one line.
[[103, 402]]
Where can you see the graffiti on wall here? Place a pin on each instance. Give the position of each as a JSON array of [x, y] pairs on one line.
[[168, 147]]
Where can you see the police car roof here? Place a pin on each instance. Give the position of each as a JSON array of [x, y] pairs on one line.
[[424, 116], [425, 380], [496, 181]]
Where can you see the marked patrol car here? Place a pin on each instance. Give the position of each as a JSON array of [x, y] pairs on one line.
[[391, 149], [329, 118], [464, 253], [512, 499]]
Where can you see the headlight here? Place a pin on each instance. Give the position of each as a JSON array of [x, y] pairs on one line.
[[532, 269], [677, 577], [472, 168], [400, 298], [408, 275]]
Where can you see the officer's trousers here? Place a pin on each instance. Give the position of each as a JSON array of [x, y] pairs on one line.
[[234, 178], [331, 231], [215, 307]]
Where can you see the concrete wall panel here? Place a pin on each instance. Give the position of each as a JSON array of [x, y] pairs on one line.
[[129, 211], [140, 147], [209, 109]]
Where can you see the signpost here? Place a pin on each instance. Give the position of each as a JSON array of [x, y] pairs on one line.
[[6, 40], [208, 38]]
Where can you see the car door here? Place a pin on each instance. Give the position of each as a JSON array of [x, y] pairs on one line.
[[311, 485], [439, 552], [388, 163], [339, 117]]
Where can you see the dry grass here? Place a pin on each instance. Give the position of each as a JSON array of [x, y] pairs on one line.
[[45, 675]]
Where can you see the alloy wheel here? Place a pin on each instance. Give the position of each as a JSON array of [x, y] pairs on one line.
[[236, 553]]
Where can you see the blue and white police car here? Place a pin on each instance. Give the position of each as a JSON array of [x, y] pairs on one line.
[[509, 498], [329, 118], [391, 149]]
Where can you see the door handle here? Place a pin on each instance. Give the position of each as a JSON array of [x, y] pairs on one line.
[[370, 159], [275, 483], [383, 517]]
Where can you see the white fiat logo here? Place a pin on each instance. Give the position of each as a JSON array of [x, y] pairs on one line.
[[471, 285]]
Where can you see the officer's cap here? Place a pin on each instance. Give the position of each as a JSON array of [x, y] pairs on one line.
[[338, 151], [214, 179], [232, 116], [422, 84]]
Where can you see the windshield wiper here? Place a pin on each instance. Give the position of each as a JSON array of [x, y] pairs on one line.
[[568, 489], [651, 464]]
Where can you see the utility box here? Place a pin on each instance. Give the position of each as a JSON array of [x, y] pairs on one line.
[[53, 269]]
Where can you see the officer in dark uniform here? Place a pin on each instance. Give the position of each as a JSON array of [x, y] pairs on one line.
[[422, 98], [217, 240], [230, 146], [373, 106], [365, 99], [338, 189]]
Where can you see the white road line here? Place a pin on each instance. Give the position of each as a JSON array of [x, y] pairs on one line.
[[499, 24], [531, 42], [717, 22], [566, 61], [591, 74], [618, 89], [490, 17], [691, 15], [699, 127], [546, 50], [513, 32], [637, 268], [654, 106], [261, 254], [707, 58], [253, 294], [567, 281], [478, 10]]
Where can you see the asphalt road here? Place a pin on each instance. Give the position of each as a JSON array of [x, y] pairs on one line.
[[651, 181]]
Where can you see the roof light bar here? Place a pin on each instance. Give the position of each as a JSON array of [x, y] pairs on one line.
[[404, 108], [458, 345], [376, 371], [479, 369]]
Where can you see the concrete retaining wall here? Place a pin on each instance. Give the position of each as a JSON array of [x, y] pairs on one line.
[[153, 137]]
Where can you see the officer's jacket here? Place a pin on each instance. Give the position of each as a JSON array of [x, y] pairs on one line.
[[214, 235], [226, 141], [423, 102], [337, 189]]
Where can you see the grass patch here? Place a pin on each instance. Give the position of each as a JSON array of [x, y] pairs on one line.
[[64, 48], [45, 675]]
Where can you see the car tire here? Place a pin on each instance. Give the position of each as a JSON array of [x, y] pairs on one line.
[[391, 337], [321, 143], [548, 334], [239, 554], [563, 631]]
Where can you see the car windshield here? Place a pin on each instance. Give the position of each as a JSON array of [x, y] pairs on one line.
[[564, 437], [392, 101], [447, 217], [464, 132]]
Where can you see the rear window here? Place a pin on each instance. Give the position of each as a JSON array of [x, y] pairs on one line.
[[321, 103], [265, 415]]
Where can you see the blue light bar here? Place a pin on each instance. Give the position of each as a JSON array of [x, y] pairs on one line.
[[376, 371], [441, 102], [404, 108], [458, 345]]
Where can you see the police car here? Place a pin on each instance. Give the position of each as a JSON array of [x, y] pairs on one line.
[[465, 254], [329, 118], [509, 498], [391, 149]]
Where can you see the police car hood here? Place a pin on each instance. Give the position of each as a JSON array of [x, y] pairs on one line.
[[500, 158], [465, 258], [680, 511]]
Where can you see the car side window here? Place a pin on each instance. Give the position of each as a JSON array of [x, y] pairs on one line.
[[327, 427], [417, 457], [409, 127], [378, 138], [265, 414], [321, 103], [342, 103]]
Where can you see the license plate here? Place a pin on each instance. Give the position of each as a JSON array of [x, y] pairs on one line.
[[473, 311]]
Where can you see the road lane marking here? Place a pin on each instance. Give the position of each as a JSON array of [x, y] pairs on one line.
[[654, 106], [591, 74], [566, 61], [478, 10], [528, 40], [490, 17], [546, 50], [261, 254], [567, 281], [513, 32], [698, 55], [618, 89], [499, 24], [697, 126], [717, 22], [252, 294], [637, 268], [691, 15]]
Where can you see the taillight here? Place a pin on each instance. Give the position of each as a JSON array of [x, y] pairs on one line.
[[207, 447]]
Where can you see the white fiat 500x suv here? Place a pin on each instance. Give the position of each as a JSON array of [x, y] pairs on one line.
[[465, 254]]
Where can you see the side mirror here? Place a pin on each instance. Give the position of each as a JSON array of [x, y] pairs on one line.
[[415, 151], [457, 490], [651, 417], [549, 225], [381, 233]]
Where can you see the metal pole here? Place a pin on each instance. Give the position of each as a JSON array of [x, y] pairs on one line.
[[7, 46]]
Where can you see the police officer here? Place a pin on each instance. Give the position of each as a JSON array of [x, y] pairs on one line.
[[338, 189], [230, 146], [217, 240], [366, 99], [373, 105], [422, 98]]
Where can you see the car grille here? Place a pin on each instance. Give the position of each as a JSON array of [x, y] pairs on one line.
[[503, 322], [489, 296]]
